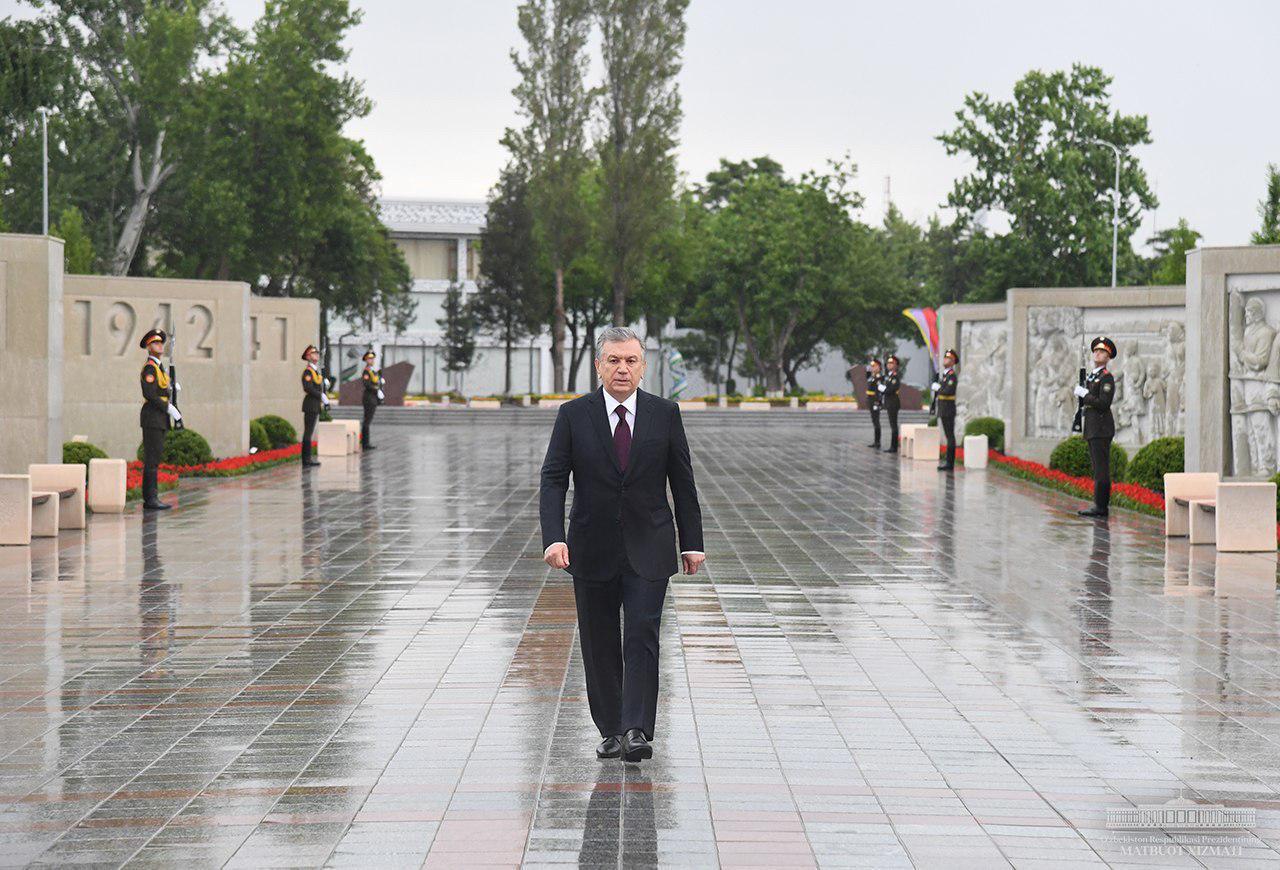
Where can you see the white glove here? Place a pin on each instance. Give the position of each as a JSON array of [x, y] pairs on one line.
[[935, 386], [382, 397], [174, 414], [1080, 392], [326, 383], [176, 386], [325, 399], [880, 387]]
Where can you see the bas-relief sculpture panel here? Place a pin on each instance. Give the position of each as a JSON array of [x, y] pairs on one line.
[[1253, 369], [984, 350], [1149, 369]]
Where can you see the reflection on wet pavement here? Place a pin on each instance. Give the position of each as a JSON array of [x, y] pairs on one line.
[[371, 666]]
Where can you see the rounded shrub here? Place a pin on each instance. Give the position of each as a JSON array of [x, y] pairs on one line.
[[279, 430], [258, 438], [992, 427], [184, 447], [1155, 460], [81, 452], [1071, 456], [325, 416]]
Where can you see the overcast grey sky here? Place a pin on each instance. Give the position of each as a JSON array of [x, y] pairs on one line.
[[805, 80]]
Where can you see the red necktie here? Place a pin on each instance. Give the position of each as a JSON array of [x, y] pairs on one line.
[[622, 438]]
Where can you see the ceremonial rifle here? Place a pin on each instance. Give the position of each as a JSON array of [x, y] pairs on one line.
[[1077, 425], [173, 376]]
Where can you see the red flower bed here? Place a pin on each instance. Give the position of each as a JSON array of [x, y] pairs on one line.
[[232, 466]]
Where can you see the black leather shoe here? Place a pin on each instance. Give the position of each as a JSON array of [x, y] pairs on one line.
[[310, 464], [610, 747], [368, 447], [1093, 513], [875, 446], [635, 747], [156, 506], [891, 450], [942, 466]]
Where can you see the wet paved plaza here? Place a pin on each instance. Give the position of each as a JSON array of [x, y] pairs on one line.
[[371, 666]]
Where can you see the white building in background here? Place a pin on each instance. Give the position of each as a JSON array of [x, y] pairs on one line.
[[440, 240]]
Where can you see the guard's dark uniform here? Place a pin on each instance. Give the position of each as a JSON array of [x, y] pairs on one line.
[[312, 404], [892, 403], [154, 420], [945, 400], [1100, 427], [372, 384], [873, 403]]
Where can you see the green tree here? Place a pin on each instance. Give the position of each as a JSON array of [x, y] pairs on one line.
[[78, 253], [1269, 210], [458, 326], [1038, 160], [511, 301], [1171, 247], [141, 63], [556, 103], [641, 45]]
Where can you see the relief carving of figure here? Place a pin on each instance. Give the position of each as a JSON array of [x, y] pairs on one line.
[[1255, 385]]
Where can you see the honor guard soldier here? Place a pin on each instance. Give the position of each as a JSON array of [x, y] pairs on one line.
[[944, 398], [1095, 395], [372, 397], [874, 379], [888, 390], [315, 398], [158, 415]]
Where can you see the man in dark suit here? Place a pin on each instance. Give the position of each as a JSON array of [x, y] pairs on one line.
[[622, 446], [315, 398], [1099, 426]]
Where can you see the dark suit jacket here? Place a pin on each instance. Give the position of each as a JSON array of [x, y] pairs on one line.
[[892, 381], [620, 518], [1098, 422]]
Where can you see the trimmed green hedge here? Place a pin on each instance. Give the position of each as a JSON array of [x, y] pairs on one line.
[[258, 438], [81, 452], [279, 430], [992, 427], [1071, 456], [1153, 461], [184, 447]]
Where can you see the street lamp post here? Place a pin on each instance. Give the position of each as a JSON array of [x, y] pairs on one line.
[[44, 139], [1115, 211]]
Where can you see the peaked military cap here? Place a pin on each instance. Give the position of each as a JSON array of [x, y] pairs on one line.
[[952, 353], [893, 358], [1103, 342], [153, 335], [310, 348], [368, 355]]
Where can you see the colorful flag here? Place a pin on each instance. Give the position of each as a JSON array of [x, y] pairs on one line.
[[675, 365], [926, 320]]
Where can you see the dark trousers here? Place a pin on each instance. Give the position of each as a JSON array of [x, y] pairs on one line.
[[620, 657], [875, 424], [364, 424], [309, 419], [152, 451], [1100, 459], [893, 428], [949, 429]]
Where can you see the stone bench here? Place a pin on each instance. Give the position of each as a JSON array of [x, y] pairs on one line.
[[15, 509], [335, 439], [108, 484], [1202, 525], [69, 481], [1244, 517], [906, 438], [924, 443], [1179, 489], [45, 513], [976, 451]]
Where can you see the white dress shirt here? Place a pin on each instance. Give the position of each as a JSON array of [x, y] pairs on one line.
[[611, 413]]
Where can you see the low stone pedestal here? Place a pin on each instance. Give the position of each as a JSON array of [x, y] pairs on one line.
[[924, 444], [108, 482], [15, 509], [333, 439], [975, 451], [353, 433], [1246, 517], [692, 406], [754, 406], [44, 514], [485, 404], [831, 406], [57, 479], [906, 438]]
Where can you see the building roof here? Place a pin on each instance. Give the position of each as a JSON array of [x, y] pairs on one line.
[[445, 216]]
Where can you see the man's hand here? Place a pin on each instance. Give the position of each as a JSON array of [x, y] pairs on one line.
[[1080, 392], [174, 413], [557, 556], [692, 562], [880, 387], [935, 386]]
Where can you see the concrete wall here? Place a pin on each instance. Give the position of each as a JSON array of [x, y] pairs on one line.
[[279, 329], [1233, 366], [30, 350], [105, 317], [980, 333], [1148, 324]]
